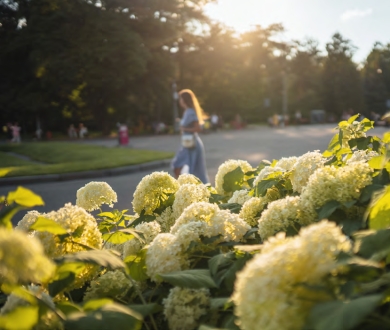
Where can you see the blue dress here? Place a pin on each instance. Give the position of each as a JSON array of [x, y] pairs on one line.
[[193, 157]]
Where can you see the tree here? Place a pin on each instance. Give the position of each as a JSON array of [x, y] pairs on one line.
[[342, 83]]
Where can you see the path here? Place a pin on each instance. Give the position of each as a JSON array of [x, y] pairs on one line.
[[253, 144]]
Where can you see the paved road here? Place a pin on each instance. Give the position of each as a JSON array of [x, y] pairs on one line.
[[253, 144]]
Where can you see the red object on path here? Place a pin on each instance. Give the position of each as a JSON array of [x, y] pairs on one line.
[[123, 135]]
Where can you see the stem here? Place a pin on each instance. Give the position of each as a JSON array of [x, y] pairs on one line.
[[143, 301]]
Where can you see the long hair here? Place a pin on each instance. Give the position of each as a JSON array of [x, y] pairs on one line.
[[191, 101]]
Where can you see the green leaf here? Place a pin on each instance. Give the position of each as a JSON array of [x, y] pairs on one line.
[[94, 304], [333, 144], [233, 180], [232, 207], [342, 315], [44, 224], [368, 191], [7, 213], [263, 185], [326, 211], [220, 261], [61, 284], [215, 198], [217, 303], [67, 307], [380, 211], [373, 244], [98, 257], [142, 218], [109, 215], [118, 237], [136, 266], [146, 310], [378, 162], [386, 137], [23, 317], [109, 316], [24, 197], [192, 278], [353, 118]]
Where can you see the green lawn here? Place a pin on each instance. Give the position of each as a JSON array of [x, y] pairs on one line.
[[62, 157]]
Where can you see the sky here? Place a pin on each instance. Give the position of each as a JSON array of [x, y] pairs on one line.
[[362, 21]]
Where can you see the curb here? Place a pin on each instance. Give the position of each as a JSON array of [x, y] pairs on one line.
[[85, 175]]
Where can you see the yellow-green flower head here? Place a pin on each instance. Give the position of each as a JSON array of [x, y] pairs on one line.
[[149, 231], [239, 197], [305, 166], [183, 307], [227, 167], [362, 156], [286, 164], [188, 179], [250, 211], [341, 184], [71, 218], [187, 195], [164, 255], [151, 190], [29, 219], [22, 259], [113, 284], [278, 216], [47, 321], [265, 172], [95, 194], [201, 211], [216, 222], [268, 292]]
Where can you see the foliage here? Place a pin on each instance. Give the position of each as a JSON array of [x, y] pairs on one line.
[[214, 269]]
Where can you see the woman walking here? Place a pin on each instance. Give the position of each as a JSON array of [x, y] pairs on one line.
[[191, 152]]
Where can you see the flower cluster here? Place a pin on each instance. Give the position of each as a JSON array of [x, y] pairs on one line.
[[304, 167], [149, 231], [187, 195], [226, 168], [183, 307], [113, 284], [166, 220], [95, 194], [279, 216], [331, 183], [22, 259], [240, 197], [269, 292], [362, 156], [188, 179], [151, 190], [250, 211], [286, 164], [265, 172], [28, 220]]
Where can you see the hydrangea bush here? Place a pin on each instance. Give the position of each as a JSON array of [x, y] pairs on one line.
[[296, 243]]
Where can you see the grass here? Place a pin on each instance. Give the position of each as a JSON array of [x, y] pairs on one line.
[[61, 157]]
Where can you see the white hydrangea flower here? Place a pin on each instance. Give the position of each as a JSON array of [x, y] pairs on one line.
[[265, 172], [149, 231], [72, 218], [234, 228], [183, 307], [278, 216], [362, 156], [95, 194], [151, 189], [286, 164], [305, 166], [28, 220], [251, 209], [166, 219], [47, 321], [164, 255], [227, 167], [22, 259], [188, 179], [240, 197], [113, 284], [201, 211], [268, 292], [187, 195], [342, 184]]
